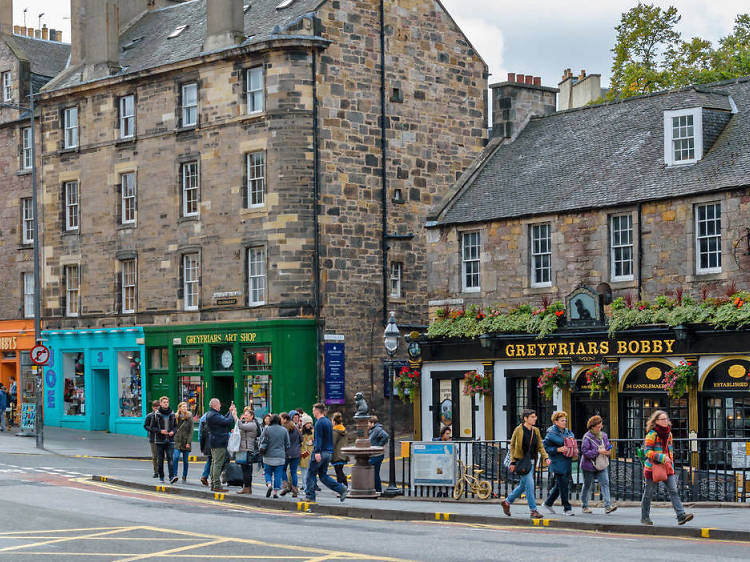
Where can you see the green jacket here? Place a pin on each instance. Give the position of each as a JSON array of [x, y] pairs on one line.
[[184, 433], [516, 445]]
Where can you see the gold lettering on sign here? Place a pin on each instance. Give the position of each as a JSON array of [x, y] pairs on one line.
[[8, 343], [510, 350], [657, 346], [593, 347], [633, 346], [531, 351], [542, 348], [604, 347], [669, 344], [622, 347], [248, 337], [645, 346]]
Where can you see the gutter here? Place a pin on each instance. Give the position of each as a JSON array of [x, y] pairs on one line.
[[316, 224], [384, 181]]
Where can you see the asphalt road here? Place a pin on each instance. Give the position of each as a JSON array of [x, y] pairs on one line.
[[51, 511]]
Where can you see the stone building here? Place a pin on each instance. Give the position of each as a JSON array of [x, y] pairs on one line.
[[28, 59], [218, 197], [645, 199]]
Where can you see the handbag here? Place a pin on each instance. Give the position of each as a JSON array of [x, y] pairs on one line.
[[507, 459], [233, 445], [659, 472], [571, 447], [524, 466], [263, 445], [600, 462], [242, 457]]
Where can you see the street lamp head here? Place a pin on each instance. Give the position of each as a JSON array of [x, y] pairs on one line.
[[391, 335]]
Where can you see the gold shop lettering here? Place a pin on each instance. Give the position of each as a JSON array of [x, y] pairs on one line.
[[245, 337], [590, 348], [8, 343]]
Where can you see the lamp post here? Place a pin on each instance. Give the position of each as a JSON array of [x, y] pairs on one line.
[[390, 339]]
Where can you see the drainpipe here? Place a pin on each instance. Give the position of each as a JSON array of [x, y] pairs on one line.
[[316, 225], [640, 252], [384, 182]]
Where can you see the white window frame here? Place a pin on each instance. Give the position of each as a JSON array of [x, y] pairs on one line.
[[699, 238], [397, 270], [129, 284], [255, 89], [72, 195], [256, 179], [191, 278], [537, 253], [127, 116], [70, 125], [28, 294], [191, 190], [7, 86], [27, 220], [697, 114], [618, 244], [72, 290], [256, 276], [128, 193], [471, 248], [189, 111], [26, 156]]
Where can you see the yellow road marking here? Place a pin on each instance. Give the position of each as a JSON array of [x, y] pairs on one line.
[[706, 531], [218, 496], [161, 488], [5, 533], [174, 550], [66, 539], [304, 506], [443, 516]]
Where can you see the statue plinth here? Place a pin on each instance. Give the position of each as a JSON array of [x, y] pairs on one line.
[[362, 484]]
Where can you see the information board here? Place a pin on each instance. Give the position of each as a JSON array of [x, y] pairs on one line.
[[741, 454], [28, 416], [433, 463], [335, 373]]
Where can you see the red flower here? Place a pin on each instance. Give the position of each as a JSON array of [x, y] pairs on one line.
[[559, 313]]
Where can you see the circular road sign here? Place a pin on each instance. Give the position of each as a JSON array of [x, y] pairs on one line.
[[39, 355]]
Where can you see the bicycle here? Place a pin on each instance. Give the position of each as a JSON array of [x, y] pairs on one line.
[[481, 488]]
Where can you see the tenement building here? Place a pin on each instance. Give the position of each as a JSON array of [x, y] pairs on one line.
[[227, 185], [600, 254], [29, 58]]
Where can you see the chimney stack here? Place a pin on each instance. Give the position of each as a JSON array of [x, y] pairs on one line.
[[577, 91], [516, 101], [95, 37], [225, 24], [45, 32], [6, 16]]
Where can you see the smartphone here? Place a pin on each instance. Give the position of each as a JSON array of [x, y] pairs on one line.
[[609, 446]]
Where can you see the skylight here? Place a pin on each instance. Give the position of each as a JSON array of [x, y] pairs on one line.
[[284, 4], [177, 31]]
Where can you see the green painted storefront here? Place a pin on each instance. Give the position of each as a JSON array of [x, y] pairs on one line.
[[270, 364]]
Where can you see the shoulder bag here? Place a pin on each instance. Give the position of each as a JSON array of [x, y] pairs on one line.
[[600, 462], [233, 445], [242, 457], [525, 465], [659, 472]]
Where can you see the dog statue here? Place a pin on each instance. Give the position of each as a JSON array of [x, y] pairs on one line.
[[360, 404]]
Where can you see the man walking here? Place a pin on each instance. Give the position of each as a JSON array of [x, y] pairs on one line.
[[218, 436], [3, 406], [378, 438], [147, 426], [322, 453], [163, 425], [12, 401]]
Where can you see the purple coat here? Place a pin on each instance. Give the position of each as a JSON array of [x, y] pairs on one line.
[[590, 449]]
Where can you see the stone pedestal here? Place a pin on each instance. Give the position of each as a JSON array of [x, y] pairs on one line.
[[362, 484]]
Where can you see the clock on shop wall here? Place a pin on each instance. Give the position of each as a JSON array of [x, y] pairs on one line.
[[226, 358]]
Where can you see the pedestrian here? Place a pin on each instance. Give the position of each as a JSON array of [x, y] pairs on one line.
[[595, 453], [306, 448], [446, 434], [147, 426], [163, 426], [321, 456], [218, 427], [298, 418], [273, 446], [339, 440], [249, 433], [378, 438], [205, 448], [561, 461], [525, 446], [291, 482], [183, 438], [13, 399], [659, 452], [3, 406]]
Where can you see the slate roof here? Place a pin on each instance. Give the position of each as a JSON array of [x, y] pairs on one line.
[[603, 156], [152, 48], [47, 58]]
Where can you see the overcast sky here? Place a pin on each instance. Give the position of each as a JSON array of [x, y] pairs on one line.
[[539, 37]]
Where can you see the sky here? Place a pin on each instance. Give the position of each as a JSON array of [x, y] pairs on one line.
[[538, 37]]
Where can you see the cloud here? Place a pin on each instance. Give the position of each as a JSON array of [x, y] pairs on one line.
[[487, 39]]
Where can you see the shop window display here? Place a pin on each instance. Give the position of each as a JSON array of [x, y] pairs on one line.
[[258, 393], [189, 360], [256, 358], [74, 391], [129, 383], [191, 392]]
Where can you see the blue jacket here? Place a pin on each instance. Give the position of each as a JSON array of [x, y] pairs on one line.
[[3, 401], [323, 441], [378, 436], [218, 429], [559, 463]]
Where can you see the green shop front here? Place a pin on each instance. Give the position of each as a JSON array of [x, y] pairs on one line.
[[270, 365]]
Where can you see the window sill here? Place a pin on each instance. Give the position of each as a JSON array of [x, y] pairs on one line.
[[71, 233], [256, 304], [127, 226], [397, 300], [126, 141], [191, 218], [622, 283], [540, 290], [259, 116], [24, 172], [69, 150], [186, 129], [708, 276], [254, 211]]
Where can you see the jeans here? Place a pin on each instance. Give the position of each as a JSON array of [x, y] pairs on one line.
[[320, 469], [559, 489], [274, 471], [292, 465], [176, 461], [674, 495], [164, 450], [525, 485], [218, 458], [376, 462], [303, 480], [588, 482], [207, 468], [154, 456], [247, 475], [340, 476]]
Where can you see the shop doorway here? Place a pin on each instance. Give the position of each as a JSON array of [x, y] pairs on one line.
[[523, 393], [224, 391], [586, 405], [451, 407], [100, 400], [157, 388]]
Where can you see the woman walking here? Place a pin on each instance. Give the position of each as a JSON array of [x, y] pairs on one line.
[[292, 455], [339, 440], [273, 447], [183, 438], [306, 448], [561, 461], [659, 466], [595, 452], [249, 433], [525, 447]]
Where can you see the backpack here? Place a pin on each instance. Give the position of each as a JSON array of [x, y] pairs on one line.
[[203, 443]]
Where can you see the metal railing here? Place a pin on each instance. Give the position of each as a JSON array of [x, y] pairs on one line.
[[707, 470]]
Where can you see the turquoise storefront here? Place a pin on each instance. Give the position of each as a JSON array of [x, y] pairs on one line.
[[94, 379]]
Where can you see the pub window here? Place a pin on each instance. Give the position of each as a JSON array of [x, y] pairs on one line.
[[256, 359], [621, 247], [254, 89], [541, 255], [470, 261], [189, 360], [127, 195], [129, 383], [189, 105], [27, 218], [159, 358], [191, 281], [74, 385], [190, 390], [70, 125], [190, 189], [708, 238], [7, 86], [72, 205], [72, 290], [28, 294], [127, 116], [129, 284], [256, 179], [26, 156]]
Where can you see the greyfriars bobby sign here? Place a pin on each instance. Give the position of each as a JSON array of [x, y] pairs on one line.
[[583, 307]]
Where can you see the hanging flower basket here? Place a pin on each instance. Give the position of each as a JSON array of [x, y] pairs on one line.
[[555, 377], [476, 383], [678, 380], [406, 383], [600, 378]]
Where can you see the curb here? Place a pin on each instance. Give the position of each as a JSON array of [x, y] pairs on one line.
[[399, 515]]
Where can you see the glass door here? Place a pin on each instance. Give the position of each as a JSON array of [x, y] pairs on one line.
[[451, 407]]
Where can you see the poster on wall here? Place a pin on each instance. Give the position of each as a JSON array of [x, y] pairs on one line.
[[433, 464], [28, 416], [335, 372], [741, 454]]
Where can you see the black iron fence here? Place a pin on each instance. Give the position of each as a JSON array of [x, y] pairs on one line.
[[707, 470]]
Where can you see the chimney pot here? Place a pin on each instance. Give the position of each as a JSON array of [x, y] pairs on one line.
[[520, 78], [17, 29], [537, 80], [59, 36], [511, 77], [529, 79], [45, 33], [38, 33], [30, 31]]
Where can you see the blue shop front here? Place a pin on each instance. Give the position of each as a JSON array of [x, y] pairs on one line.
[[94, 379]]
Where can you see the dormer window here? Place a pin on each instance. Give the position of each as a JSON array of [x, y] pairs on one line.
[[683, 136]]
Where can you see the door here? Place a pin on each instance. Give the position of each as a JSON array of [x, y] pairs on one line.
[[100, 399], [224, 391], [157, 387], [451, 407], [523, 393], [585, 406]]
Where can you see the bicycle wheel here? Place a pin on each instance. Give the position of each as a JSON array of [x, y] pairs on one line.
[[458, 490], [483, 490]]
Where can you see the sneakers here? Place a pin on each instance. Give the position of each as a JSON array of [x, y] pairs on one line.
[[268, 491], [345, 491], [586, 510], [536, 515], [173, 480], [506, 507], [184, 479], [684, 518], [156, 475], [549, 509], [646, 522], [568, 513], [609, 509], [204, 480]]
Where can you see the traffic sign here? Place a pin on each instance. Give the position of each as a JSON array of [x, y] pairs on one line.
[[39, 354]]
